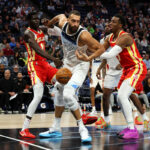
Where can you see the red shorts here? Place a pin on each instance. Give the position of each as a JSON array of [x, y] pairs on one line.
[[136, 74], [41, 69]]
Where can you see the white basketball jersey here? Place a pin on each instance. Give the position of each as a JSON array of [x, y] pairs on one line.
[[111, 63], [70, 45]]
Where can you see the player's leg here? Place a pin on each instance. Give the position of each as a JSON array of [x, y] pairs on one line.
[[55, 129], [138, 105], [38, 93], [70, 97], [123, 95]]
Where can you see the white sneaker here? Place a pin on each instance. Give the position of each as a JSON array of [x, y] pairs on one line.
[[84, 135], [93, 113]]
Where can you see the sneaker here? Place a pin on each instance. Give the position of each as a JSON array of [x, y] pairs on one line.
[[122, 132], [99, 121], [104, 125], [146, 126], [85, 138], [51, 133], [26, 134], [131, 134], [93, 113], [138, 121], [88, 119]]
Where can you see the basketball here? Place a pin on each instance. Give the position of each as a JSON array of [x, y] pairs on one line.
[[63, 75]]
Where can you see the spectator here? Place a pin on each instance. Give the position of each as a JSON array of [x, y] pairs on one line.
[[147, 61], [18, 48], [144, 43], [8, 52], [2, 69], [3, 44], [7, 87], [15, 71], [12, 43], [23, 95], [14, 60], [3, 59]]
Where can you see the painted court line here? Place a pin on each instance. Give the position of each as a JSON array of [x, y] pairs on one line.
[[24, 142]]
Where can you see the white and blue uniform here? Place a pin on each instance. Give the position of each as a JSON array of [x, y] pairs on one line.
[[66, 94]]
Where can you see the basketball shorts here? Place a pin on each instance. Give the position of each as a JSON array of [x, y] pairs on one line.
[[111, 82], [136, 75], [42, 70], [79, 73]]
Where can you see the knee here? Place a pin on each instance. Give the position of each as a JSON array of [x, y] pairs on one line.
[[70, 100]]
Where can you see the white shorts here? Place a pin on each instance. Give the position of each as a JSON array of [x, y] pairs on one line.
[[111, 82], [79, 73], [95, 81]]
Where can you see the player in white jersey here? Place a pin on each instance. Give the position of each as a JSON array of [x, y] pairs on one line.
[[94, 64], [111, 80], [74, 37]]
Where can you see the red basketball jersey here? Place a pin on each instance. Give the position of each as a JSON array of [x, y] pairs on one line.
[[129, 56], [39, 38]]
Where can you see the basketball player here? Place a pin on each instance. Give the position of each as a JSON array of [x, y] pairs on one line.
[[134, 69], [110, 82], [94, 64], [38, 68], [73, 37]]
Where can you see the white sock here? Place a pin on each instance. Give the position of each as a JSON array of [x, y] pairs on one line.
[[102, 114], [56, 123], [80, 124], [131, 125], [26, 124], [144, 116], [107, 119], [135, 114], [93, 108]]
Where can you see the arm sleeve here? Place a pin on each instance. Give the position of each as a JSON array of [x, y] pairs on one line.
[[112, 53], [54, 31]]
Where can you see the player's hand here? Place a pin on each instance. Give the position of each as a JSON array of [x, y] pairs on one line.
[[98, 74], [58, 63], [44, 21], [118, 67], [81, 56]]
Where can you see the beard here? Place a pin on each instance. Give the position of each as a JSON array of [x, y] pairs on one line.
[[72, 29]]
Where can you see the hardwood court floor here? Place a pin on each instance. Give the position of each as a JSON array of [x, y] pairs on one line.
[[102, 139]]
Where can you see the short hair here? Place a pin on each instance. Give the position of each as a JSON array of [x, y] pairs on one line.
[[29, 16], [121, 19], [75, 12]]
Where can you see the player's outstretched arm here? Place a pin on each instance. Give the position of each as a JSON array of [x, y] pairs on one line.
[[29, 38], [93, 46], [60, 19], [123, 41]]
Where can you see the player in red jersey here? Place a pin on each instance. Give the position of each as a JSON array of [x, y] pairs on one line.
[[38, 68], [134, 69]]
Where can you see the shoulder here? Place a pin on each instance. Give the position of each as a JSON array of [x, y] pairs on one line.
[[85, 35]]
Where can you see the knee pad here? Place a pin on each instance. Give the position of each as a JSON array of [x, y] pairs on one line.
[[70, 98]]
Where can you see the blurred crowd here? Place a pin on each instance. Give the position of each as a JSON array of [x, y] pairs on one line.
[[13, 55]]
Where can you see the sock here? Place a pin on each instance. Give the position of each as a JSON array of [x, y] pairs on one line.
[[131, 125], [26, 123], [102, 114], [107, 119], [135, 114], [93, 108], [80, 123], [144, 116], [56, 123]]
